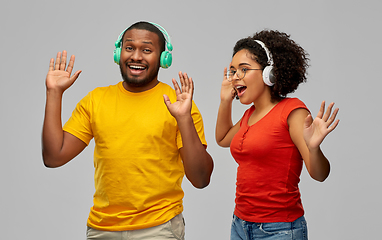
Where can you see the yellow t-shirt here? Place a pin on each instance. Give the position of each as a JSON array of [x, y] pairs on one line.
[[138, 169]]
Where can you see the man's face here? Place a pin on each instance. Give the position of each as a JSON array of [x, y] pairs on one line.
[[139, 64]]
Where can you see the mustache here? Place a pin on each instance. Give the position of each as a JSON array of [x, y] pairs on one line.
[[136, 62]]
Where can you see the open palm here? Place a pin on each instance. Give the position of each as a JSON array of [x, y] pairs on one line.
[[316, 130], [59, 76], [183, 104]]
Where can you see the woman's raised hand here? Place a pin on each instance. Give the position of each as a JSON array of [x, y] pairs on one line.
[[315, 130]]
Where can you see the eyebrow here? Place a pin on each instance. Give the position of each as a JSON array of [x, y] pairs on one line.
[[242, 64], [145, 42]]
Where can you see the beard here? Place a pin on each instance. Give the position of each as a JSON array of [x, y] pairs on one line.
[[136, 81]]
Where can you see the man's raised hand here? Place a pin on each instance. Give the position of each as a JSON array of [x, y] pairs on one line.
[[182, 106], [59, 76]]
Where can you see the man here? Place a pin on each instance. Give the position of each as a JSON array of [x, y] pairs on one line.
[[147, 136]]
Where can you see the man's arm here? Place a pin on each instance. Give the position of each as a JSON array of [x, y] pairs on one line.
[[198, 163], [58, 147]]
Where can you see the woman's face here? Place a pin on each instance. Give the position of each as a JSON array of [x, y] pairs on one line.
[[250, 87]]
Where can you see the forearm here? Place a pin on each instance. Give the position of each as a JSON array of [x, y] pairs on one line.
[[52, 133], [223, 123], [198, 164], [318, 165]]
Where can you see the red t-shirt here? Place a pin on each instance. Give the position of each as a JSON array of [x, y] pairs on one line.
[[269, 167]]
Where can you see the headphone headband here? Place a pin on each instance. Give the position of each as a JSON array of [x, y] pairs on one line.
[[165, 34], [268, 73], [269, 56]]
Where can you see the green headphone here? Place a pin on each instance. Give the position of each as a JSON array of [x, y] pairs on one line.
[[165, 57]]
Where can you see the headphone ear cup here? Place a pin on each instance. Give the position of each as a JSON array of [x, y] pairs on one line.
[[117, 51], [117, 55], [165, 59], [268, 76]]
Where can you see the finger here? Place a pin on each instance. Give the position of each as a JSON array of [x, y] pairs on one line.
[[63, 61], [182, 81], [234, 93], [58, 60], [51, 64], [308, 121], [328, 112], [191, 86], [333, 116], [331, 128], [71, 65], [322, 109], [75, 76], [187, 85], [166, 100], [176, 87]]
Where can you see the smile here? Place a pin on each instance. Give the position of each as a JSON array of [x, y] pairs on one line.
[[136, 67]]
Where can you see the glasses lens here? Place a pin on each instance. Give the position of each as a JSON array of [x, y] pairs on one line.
[[240, 73], [230, 74]]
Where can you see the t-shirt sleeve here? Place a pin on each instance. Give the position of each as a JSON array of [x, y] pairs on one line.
[[291, 105], [79, 124]]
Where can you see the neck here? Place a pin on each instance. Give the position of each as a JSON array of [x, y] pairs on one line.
[[264, 102], [136, 88]]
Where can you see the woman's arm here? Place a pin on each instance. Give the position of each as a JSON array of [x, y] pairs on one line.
[[307, 134], [225, 130]]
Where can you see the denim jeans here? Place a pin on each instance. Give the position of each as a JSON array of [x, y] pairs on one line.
[[243, 230]]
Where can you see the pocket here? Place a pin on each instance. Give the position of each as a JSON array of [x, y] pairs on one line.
[[177, 225], [92, 233], [277, 228], [300, 229]]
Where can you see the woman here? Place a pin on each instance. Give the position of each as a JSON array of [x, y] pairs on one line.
[[273, 138]]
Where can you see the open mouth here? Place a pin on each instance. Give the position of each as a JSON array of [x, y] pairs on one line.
[[136, 69], [240, 90]]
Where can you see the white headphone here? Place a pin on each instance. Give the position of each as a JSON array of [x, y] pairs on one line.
[[268, 73]]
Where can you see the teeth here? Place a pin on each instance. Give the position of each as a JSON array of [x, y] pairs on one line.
[[137, 67]]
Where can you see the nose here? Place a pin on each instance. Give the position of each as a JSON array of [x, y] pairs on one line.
[[136, 56], [233, 78]]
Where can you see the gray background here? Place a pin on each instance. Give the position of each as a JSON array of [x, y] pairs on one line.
[[342, 37]]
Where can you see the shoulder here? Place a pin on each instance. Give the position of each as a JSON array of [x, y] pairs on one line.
[[97, 94], [101, 91], [292, 104], [165, 88], [292, 108]]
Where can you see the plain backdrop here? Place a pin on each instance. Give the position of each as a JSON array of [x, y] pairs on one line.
[[342, 37]]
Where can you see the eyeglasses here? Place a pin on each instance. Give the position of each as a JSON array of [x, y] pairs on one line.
[[240, 73]]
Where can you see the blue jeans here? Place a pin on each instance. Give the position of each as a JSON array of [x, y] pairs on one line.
[[243, 230]]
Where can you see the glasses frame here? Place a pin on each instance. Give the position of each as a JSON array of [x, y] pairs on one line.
[[229, 78]]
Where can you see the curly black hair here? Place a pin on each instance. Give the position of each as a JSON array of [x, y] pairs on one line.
[[290, 60]]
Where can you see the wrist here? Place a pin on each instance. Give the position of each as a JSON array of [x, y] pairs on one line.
[[184, 120], [54, 93], [314, 150], [226, 101]]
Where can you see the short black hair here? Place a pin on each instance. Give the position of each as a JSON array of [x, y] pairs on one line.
[[149, 27], [290, 60]]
